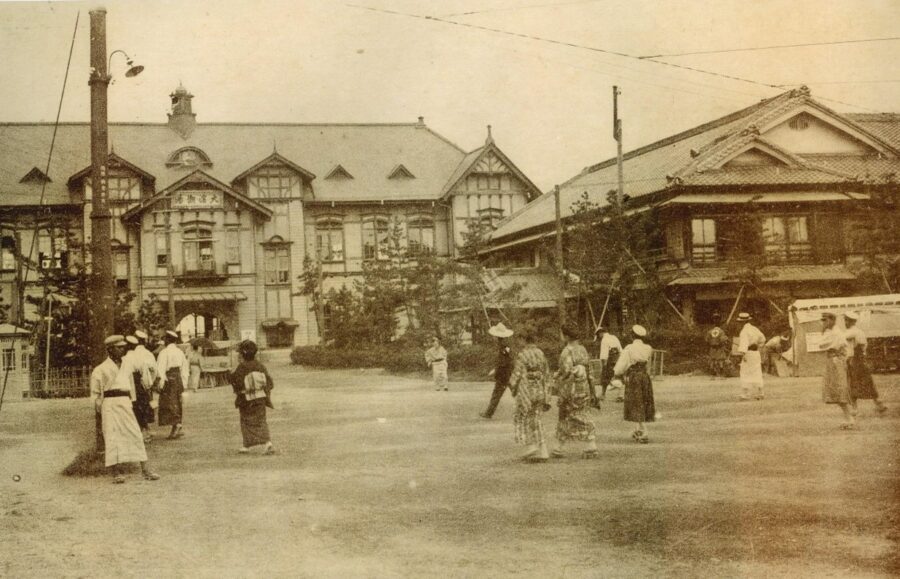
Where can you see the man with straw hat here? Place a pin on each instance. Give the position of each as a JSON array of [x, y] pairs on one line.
[[122, 436], [835, 389], [502, 370], [750, 342], [861, 384]]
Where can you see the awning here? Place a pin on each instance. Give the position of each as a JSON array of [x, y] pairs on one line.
[[785, 197], [275, 322], [205, 297]]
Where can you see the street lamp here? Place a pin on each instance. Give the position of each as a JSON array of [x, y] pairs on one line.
[[103, 295]]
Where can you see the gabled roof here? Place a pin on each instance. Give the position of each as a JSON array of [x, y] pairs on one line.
[[197, 176], [339, 173], [471, 160], [371, 151], [695, 158], [276, 159], [401, 172], [35, 175], [115, 161]]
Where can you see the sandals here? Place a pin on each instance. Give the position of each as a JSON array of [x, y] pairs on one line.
[[640, 437], [556, 453], [119, 479], [151, 476], [270, 450], [243, 450]]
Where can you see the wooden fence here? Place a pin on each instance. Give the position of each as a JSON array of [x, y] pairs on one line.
[[67, 382]]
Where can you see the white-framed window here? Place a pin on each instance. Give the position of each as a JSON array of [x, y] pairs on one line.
[[233, 247], [330, 239], [123, 188], [8, 359], [277, 261], [375, 233], [8, 253], [273, 183], [120, 265], [703, 240], [197, 244], [420, 234], [52, 248], [162, 252]]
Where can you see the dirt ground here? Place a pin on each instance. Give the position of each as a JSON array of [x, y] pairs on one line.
[[378, 476]]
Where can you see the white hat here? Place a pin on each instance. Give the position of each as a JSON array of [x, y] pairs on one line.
[[852, 315], [132, 340], [639, 330], [140, 335], [744, 317], [114, 340], [500, 331], [172, 334]]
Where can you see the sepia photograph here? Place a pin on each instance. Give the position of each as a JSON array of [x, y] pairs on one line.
[[450, 288]]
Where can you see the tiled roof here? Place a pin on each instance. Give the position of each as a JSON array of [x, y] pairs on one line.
[[772, 273], [368, 151], [692, 157], [539, 289]]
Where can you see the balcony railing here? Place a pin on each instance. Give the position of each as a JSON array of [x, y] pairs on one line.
[[203, 269]]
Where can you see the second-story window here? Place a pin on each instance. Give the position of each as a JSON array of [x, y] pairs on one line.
[[8, 253], [273, 183], [787, 238], [330, 239], [420, 234], [198, 250], [52, 249], [233, 250], [375, 232], [123, 188], [703, 237], [278, 264]]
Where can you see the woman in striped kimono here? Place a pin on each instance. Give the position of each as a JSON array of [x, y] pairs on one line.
[[835, 388], [530, 387], [575, 395]]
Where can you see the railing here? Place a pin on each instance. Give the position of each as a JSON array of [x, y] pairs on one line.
[[67, 382], [202, 269]]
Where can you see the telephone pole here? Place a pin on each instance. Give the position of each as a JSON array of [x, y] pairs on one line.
[[102, 295], [561, 299], [617, 135]]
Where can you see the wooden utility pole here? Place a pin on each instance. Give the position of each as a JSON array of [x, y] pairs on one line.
[[170, 268], [103, 297], [560, 270], [617, 135]]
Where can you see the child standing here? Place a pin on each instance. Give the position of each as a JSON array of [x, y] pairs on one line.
[[436, 357], [252, 385]]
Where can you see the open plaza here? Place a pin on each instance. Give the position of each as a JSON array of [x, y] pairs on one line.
[[381, 476]]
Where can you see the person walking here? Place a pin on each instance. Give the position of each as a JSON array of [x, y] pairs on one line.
[[252, 386], [717, 350], [610, 348], [172, 368], [862, 387], [145, 380], [194, 357], [835, 388], [113, 392], [436, 357], [503, 368], [575, 397], [530, 386], [640, 406], [750, 342]]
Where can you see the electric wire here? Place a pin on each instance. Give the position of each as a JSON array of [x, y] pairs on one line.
[[44, 184], [771, 47]]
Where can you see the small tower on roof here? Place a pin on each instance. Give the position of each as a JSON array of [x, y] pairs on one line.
[[182, 119]]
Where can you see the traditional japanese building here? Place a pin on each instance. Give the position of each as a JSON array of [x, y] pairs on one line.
[[234, 208], [787, 180]]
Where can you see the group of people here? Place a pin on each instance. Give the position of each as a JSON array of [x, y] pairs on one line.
[[527, 375], [122, 389]]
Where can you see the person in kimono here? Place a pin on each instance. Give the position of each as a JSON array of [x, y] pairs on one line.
[[530, 385], [750, 342], [252, 386], [640, 407], [112, 389], [862, 387], [718, 344], [172, 369], [502, 369], [436, 357], [835, 388], [610, 348], [575, 397]]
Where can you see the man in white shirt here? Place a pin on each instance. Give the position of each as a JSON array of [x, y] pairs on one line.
[[144, 380], [750, 342], [172, 369], [610, 347], [861, 384]]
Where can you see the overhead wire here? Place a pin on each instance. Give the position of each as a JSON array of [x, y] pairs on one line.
[[770, 47], [530, 6], [592, 49], [28, 261]]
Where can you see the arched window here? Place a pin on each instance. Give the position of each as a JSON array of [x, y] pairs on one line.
[[375, 232], [330, 239], [198, 250], [420, 234]]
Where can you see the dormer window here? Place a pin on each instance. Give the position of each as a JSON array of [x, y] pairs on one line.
[[401, 172], [123, 188], [188, 157], [35, 175], [339, 173], [273, 183]]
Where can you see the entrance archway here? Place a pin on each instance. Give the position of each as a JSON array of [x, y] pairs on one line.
[[201, 325]]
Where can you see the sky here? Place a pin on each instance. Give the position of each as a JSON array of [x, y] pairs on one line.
[[550, 105]]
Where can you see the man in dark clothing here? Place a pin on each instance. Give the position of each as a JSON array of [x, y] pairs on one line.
[[503, 369]]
